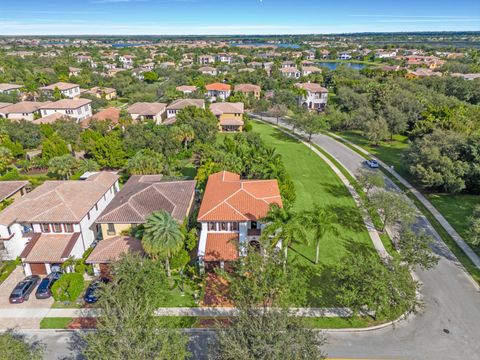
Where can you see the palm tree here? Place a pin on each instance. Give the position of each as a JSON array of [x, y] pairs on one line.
[[321, 222], [283, 226], [162, 237], [42, 78]]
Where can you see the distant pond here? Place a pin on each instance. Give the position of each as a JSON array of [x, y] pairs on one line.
[[334, 65], [285, 45]]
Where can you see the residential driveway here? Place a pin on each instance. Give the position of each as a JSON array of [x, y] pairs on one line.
[[6, 288]]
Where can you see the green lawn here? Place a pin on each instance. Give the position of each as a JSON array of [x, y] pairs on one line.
[[315, 182], [55, 323]]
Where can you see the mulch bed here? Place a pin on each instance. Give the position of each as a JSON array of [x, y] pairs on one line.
[[82, 323], [216, 292]]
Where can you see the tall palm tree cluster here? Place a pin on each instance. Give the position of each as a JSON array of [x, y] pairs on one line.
[[286, 227], [247, 155]]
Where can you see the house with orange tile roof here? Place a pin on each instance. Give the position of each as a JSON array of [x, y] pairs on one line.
[[218, 91], [230, 216], [55, 221]]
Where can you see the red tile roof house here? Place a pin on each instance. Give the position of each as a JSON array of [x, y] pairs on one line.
[[218, 91], [141, 196], [66, 89], [230, 216], [55, 221]]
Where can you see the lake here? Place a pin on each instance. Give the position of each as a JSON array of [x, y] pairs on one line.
[[334, 65]]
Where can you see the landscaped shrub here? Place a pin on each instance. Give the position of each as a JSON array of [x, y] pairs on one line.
[[68, 287], [180, 259], [80, 266]]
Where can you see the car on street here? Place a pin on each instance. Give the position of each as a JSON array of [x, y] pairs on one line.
[[44, 290], [372, 163], [22, 291], [91, 295]]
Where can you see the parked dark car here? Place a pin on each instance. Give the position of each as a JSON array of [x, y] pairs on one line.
[[372, 163], [22, 291], [44, 289], [91, 295]]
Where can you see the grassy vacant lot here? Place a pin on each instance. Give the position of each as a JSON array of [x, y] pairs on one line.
[[455, 208], [315, 182]]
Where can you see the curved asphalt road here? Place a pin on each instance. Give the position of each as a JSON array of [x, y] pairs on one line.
[[448, 327]]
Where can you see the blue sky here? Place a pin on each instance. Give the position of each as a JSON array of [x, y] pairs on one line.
[[167, 17]]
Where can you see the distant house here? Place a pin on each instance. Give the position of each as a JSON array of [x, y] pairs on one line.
[[73, 71], [309, 54], [421, 72], [288, 64], [78, 109], [148, 111], [315, 97], [307, 70], [255, 64], [469, 77], [248, 89], [55, 221], [383, 54], [290, 72], [217, 91], [229, 115], [344, 56], [186, 89], [224, 58], [66, 89], [84, 58], [143, 195], [22, 110], [230, 216], [103, 92], [9, 88], [127, 61], [208, 70], [206, 59], [177, 105], [111, 114]]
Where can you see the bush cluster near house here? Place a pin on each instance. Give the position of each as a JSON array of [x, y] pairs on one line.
[[68, 287]]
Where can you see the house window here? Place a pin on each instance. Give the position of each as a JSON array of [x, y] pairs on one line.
[[88, 215], [211, 226], [45, 228], [68, 228], [111, 229], [234, 226], [96, 207], [57, 228], [224, 226]]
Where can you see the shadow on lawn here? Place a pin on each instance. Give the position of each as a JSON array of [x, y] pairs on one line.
[[347, 217], [336, 190]]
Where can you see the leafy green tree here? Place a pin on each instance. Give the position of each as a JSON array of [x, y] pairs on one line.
[[162, 237], [312, 123], [415, 249], [14, 346], [370, 180], [203, 123], [266, 334], [391, 206], [24, 132], [146, 162], [473, 232], [150, 77], [321, 222], [376, 130], [108, 151], [283, 226], [68, 130], [6, 158], [87, 165], [54, 146], [364, 284], [128, 328], [62, 166]]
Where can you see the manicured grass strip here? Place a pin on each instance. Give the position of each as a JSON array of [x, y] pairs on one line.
[[7, 268], [316, 183], [55, 323], [339, 323]]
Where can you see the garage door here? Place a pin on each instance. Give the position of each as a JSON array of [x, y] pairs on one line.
[[38, 269]]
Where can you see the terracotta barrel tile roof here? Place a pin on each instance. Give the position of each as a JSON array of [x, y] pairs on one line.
[[221, 247], [218, 87], [227, 198]]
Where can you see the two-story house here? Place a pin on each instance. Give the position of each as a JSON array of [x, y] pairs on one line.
[[290, 72], [230, 216], [229, 115], [78, 109], [208, 70], [55, 221], [177, 105], [9, 88], [218, 91], [148, 111], [206, 59], [315, 96], [66, 89], [249, 89], [27, 110], [127, 61]]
